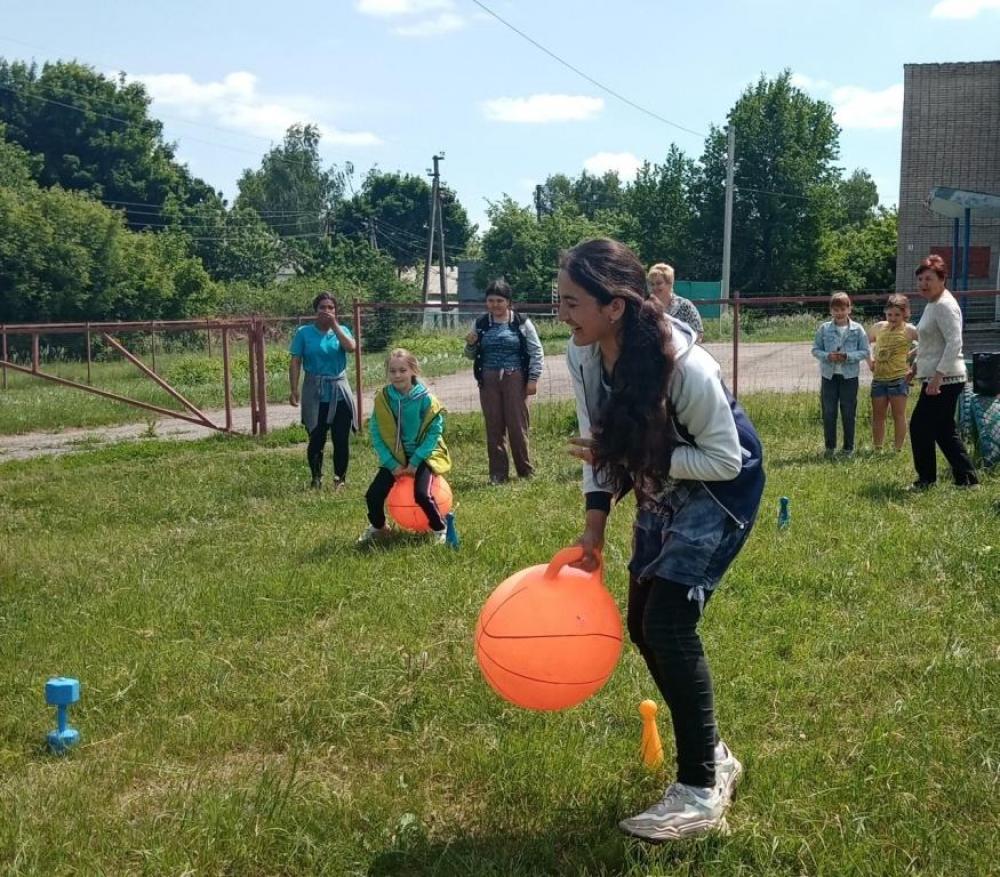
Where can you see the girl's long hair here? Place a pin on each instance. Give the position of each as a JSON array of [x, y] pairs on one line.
[[634, 432]]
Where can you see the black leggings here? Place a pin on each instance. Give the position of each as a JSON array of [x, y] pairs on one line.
[[340, 431], [382, 484], [663, 623]]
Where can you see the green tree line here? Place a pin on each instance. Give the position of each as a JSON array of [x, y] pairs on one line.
[[99, 220]]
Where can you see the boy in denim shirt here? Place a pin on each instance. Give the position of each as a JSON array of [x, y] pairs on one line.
[[840, 345]]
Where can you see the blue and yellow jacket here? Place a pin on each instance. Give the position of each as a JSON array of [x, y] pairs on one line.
[[408, 429]]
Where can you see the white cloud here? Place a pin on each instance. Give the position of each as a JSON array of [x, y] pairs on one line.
[[236, 104], [442, 16], [541, 108], [391, 8], [962, 8], [807, 83], [857, 107], [625, 164], [444, 23]]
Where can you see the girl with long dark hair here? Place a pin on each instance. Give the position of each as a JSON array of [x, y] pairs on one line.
[[655, 418]]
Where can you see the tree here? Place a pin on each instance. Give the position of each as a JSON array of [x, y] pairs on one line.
[[588, 194], [394, 210], [94, 134], [235, 244], [786, 145], [292, 191], [659, 215], [861, 257], [857, 199], [526, 251], [64, 256]]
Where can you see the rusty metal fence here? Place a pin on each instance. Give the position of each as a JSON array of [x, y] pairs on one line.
[[762, 344]]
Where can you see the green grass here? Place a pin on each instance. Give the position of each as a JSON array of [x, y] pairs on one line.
[[260, 697]]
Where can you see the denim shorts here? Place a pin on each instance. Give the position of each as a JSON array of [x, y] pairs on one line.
[[689, 539], [898, 387]]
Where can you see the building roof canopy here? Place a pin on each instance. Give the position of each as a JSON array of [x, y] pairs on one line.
[[953, 203]]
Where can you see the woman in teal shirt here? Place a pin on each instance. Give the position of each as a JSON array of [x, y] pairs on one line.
[[328, 403]]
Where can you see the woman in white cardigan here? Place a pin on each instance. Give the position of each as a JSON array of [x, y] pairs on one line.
[[940, 369]]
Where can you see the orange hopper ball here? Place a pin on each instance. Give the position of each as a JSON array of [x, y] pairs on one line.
[[403, 507], [550, 635]]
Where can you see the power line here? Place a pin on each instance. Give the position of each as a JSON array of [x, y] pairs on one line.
[[590, 79]]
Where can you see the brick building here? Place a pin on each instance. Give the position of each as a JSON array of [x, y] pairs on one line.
[[951, 137]]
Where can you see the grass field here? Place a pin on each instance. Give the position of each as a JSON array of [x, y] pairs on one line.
[[260, 697]]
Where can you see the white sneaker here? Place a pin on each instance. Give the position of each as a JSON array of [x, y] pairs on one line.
[[439, 537], [371, 534], [728, 771], [682, 812]]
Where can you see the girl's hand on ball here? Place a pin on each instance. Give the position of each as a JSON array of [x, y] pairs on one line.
[[582, 449], [591, 544], [399, 470]]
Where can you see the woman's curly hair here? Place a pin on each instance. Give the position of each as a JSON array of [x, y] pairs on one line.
[[634, 432]]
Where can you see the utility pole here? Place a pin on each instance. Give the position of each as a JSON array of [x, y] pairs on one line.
[[727, 232], [430, 230], [442, 265], [538, 202]]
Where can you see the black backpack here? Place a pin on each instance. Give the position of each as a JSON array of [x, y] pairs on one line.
[[482, 324]]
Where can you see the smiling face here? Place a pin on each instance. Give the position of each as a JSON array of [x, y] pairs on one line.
[[400, 374], [590, 320]]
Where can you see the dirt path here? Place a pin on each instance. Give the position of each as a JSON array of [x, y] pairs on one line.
[[781, 367]]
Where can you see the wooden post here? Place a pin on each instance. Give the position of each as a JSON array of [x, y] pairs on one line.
[[34, 353], [89, 355], [3, 332], [252, 375]]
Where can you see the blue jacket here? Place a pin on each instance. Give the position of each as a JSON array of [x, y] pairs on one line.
[[855, 345], [417, 440]]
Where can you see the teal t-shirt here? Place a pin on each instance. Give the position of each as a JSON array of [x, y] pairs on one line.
[[321, 353]]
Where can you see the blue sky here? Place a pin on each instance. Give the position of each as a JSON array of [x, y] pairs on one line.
[[393, 81]]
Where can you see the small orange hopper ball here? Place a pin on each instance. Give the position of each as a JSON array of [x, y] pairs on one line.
[[402, 504], [550, 635]]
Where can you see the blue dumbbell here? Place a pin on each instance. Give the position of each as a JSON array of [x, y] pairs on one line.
[[784, 515], [61, 692]]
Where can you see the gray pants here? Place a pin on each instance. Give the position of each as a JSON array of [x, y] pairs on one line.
[[839, 392], [505, 410]]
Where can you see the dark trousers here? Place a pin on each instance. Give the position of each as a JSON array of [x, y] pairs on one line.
[[663, 623], [382, 483], [505, 410], [933, 422], [840, 393], [340, 431]]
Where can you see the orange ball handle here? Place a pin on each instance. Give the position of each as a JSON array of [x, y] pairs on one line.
[[570, 554]]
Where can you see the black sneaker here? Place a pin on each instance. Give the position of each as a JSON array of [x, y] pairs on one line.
[[920, 486], [317, 482]]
